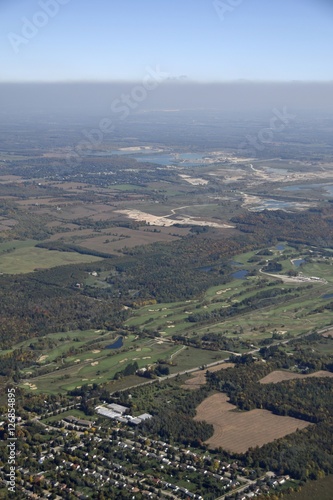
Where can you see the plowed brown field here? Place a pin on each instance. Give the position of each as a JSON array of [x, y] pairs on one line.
[[280, 376], [238, 431]]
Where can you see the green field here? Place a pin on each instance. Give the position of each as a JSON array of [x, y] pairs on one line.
[[74, 412], [27, 258], [191, 358]]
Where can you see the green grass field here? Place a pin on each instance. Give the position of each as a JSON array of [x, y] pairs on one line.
[[26, 259], [74, 412], [191, 358]]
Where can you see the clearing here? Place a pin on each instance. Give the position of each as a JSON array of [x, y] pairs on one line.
[[198, 379]]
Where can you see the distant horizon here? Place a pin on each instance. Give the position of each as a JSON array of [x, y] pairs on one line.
[[120, 99], [170, 81]]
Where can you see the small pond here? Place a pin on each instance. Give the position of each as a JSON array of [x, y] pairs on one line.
[[116, 345], [298, 262], [240, 275]]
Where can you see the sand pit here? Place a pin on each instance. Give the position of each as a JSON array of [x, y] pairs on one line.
[[33, 387], [219, 292], [42, 358]]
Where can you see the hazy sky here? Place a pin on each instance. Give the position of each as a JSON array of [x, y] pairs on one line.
[[202, 40]]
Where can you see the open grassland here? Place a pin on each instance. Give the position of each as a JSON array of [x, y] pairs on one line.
[[9, 246], [238, 431], [279, 376], [191, 358], [73, 412], [27, 259]]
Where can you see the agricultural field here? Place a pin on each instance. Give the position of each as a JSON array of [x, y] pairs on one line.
[[280, 376], [27, 258], [238, 431]]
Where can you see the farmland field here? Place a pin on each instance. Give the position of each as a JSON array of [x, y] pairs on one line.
[[279, 376], [27, 259], [238, 431]]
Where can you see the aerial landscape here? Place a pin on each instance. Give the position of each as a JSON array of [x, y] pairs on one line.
[[166, 251]]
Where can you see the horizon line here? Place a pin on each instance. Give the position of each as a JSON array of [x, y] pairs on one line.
[[172, 80]]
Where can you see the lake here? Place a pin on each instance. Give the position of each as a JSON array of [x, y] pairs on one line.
[[306, 187], [189, 159]]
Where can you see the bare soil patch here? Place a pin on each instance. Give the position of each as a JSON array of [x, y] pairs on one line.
[[279, 376], [198, 379], [238, 431]]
